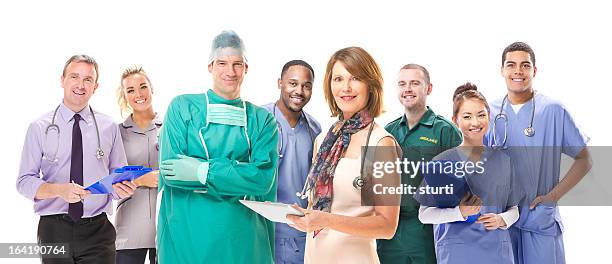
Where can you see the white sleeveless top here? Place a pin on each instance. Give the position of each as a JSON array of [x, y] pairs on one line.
[[331, 246]]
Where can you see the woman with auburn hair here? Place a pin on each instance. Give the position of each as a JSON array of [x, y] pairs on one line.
[[341, 229], [135, 220]]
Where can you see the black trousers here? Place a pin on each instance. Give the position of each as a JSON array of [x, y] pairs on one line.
[[90, 240], [136, 256]]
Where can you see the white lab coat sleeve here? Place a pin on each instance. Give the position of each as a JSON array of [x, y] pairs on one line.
[[434, 215], [510, 216]]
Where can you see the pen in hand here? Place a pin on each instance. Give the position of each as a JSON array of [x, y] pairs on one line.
[[80, 197]]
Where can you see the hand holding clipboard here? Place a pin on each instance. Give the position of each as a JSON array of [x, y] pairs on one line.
[[126, 173]]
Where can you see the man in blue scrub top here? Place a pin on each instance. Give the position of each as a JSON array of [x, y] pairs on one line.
[[297, 131], [539, 129]]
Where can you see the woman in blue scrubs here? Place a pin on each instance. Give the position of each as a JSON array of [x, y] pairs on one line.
[[458, 238]]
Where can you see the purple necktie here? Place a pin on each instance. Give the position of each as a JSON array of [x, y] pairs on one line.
[[75, 210]]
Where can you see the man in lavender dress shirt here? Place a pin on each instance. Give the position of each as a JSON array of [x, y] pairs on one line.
[[60, 157]]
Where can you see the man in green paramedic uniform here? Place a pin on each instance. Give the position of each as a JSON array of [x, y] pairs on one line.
[[422, 135], [216, 149]]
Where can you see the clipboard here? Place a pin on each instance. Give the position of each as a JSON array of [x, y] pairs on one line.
[[125, 173], [436, 179], [276, 212], [460, 187]]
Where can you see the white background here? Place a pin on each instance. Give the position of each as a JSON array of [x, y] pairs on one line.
[[457, 42]]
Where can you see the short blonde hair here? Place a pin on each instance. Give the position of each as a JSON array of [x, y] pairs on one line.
[[124, 107], [359, 63]]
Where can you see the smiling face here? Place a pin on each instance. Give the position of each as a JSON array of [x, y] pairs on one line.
[[473, 121], [228, 73], [138, 92], [518, 72], [350, 93], [412, 89], [296, 87], [79, 83]]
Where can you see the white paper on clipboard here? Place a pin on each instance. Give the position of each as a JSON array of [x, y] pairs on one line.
[[276, 212]]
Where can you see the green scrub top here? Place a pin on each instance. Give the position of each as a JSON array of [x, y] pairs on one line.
[[206, 223], [431, 136]]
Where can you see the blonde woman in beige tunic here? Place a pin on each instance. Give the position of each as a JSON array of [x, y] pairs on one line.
[[135, 219]]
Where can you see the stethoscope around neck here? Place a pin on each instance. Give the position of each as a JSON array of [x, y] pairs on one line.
[[358, 182], [53, 158], [528, 131], [280, 131]]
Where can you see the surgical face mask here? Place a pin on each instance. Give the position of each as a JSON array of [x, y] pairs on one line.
[[226, 115]]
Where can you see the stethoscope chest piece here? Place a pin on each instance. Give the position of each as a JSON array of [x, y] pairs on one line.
[[359, 182], [529, 131], [99, 153]]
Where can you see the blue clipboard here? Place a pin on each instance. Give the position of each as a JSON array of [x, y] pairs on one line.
[[435, 178], [126, 173], [460, 188]]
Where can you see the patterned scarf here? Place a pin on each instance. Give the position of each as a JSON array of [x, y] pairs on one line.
[[331, 150]]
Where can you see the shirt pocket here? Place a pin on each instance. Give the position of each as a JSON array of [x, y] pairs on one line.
[[542, 220], [451, 250], [427, 152]]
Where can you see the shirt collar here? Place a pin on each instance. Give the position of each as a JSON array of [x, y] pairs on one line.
[[302, 119], [67, 115], [130, 124], [427, 119], [487, 152]]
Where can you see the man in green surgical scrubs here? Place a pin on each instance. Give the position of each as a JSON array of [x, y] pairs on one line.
[[216, 149], [422, 135]]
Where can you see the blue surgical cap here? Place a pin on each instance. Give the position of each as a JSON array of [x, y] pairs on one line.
[[228, 43]]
